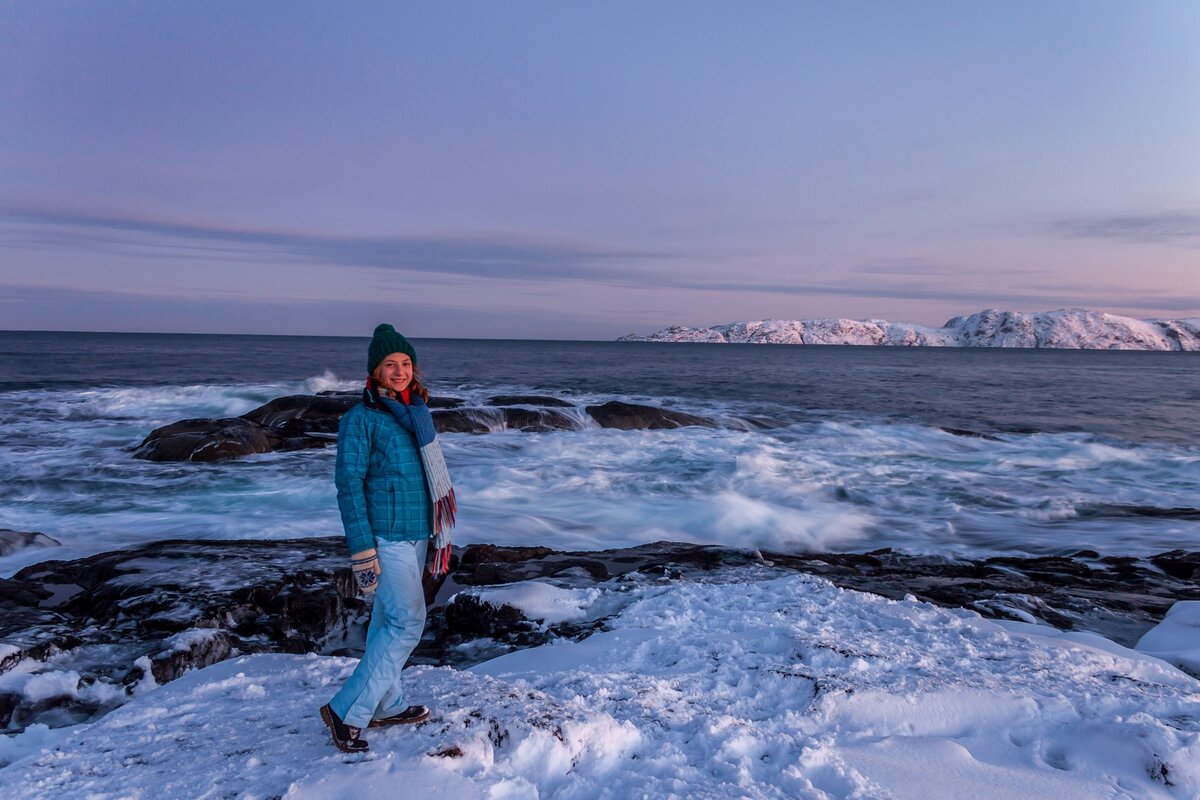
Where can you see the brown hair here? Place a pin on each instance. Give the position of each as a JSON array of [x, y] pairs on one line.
[[415, 386]]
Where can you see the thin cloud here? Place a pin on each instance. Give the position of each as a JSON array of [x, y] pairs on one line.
[[480, 256], [52, 308], [1172, 227], [904, 268], [982, 299]]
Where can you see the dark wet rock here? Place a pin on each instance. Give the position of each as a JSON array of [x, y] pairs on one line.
[[477, 554], [757, 423], [630, 416], [486, 564], [302, 422], [9, 702], [170, 607], [540, 420], [1113, 510], [486, 420], [970, 434], [304, 413], [193, 649], [470, 616], [468, 420], [28, 628], [433, 402], [179, 604], [1179, 564], [528, 400], [220, 439], [12, 541], [16, 594], [204, 440], [1120, 600], [295, 422]]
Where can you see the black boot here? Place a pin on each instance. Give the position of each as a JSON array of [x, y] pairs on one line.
[[345, 738], [409, 716]]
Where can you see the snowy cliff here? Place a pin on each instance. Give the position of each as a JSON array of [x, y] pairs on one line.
[[1076, 328]]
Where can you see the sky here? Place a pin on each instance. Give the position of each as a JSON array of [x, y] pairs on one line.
[[572, 170]]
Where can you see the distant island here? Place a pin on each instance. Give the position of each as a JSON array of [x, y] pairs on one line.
[[1068, 329]]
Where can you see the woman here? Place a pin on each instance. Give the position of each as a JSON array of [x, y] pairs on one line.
[[394, 494]]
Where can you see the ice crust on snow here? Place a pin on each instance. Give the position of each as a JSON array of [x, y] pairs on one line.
[[1073, 328], [771, 688], [1177, 638]]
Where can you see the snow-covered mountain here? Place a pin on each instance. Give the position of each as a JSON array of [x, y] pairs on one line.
[[1073, 329]]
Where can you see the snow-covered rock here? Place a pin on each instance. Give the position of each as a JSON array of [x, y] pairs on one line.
[[12, 541], [1176, 639], [784, 687], [1076, 328]]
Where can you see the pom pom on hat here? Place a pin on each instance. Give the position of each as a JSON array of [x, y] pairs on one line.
[[385, 342]]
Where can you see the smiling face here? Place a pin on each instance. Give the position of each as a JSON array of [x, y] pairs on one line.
[[395, 372]]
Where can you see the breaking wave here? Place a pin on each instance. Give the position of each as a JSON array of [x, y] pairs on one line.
[[769, 479]]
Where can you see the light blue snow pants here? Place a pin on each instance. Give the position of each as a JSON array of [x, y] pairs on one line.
[[397, 620]]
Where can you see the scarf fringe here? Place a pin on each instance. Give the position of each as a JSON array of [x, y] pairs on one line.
[[437, 475], [439, 562]]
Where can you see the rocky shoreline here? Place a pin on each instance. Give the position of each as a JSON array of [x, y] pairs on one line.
[[302, 422], [78, 638]]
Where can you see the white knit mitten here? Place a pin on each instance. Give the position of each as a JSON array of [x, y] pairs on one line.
[[366, 570]]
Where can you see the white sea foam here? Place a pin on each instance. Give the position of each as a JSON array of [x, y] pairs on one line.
[[328, 382], [66, 469]]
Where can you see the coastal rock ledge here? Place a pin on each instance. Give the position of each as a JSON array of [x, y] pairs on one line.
[[78, 638], [302, 422], [1068, 329]]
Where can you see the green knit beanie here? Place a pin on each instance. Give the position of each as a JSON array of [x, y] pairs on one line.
[[385, 342]]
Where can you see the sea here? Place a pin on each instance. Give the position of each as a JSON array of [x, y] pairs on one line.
[[964, 453]]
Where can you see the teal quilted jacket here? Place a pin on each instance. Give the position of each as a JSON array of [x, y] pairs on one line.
[[381, 488]]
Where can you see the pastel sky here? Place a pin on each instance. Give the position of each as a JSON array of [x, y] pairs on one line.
[[573, 170]]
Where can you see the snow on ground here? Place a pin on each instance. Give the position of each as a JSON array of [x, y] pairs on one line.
[[773, 688], [1176, 639], [539, 601]]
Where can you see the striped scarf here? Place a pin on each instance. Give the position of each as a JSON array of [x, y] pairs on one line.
[[417, 420]]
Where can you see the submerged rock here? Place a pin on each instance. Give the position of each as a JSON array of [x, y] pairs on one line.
[[528, 400], [540, 420], [505, 417], [468, 420], [630, 416]]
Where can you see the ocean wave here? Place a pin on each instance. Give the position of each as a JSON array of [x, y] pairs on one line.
[[803, 484]]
